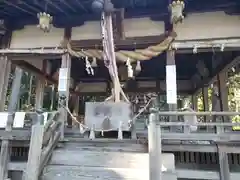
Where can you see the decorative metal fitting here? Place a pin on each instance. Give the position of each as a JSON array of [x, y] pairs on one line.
[[45, 21], [176, 9]]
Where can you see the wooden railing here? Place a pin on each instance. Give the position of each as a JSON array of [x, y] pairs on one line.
[[44, 138], [155, 136], [43, 131]]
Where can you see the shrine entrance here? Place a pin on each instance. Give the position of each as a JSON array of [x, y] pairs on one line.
[[117, 88]]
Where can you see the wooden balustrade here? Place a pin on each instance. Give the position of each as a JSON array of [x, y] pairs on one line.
[[44, 139], [43, 135]]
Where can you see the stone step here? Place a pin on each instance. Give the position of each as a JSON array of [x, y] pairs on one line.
[[98, 173]]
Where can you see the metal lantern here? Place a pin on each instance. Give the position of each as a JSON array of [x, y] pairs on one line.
[[45, 21], [176, 9]]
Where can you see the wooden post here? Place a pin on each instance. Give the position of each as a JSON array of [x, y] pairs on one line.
[[16, 85], [39, 93], [76, 108], [206, 107], [35, 150], [5, 149], [171, 84], [195, 102], [63, 89], [223, 92], [30, 90], [205, 102], [154, 147], [222, 155], [4, 77]]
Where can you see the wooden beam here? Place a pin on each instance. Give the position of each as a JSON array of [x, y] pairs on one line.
[[63, 89], [32, 51], [120, 44]]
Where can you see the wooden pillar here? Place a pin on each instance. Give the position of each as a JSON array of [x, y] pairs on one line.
[[5, 146], [171, 83], [5, 70], [223, 92], [35, 150], [205, 102], [5, 67], [63, 89], [223, 102], [39, 93], [222, 155], [76, 107], [52, 97], [195, 102], [205, 98]]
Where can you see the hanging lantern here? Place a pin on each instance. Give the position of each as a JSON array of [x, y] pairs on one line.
[[45, 21], [176, 9]]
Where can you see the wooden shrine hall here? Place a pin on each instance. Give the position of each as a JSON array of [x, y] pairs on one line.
[[122, 71]]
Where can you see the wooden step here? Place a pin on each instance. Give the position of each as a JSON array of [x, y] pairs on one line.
[[107, 159], [103, 159], [98, 173], [103, 145], [99, 159]]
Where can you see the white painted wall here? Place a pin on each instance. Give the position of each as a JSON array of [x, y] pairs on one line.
[[140, 27], [195, 26], [208, 25], [136, 27], [89, 30], [32, 37]]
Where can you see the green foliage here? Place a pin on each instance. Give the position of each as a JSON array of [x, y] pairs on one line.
[[233, 84]]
